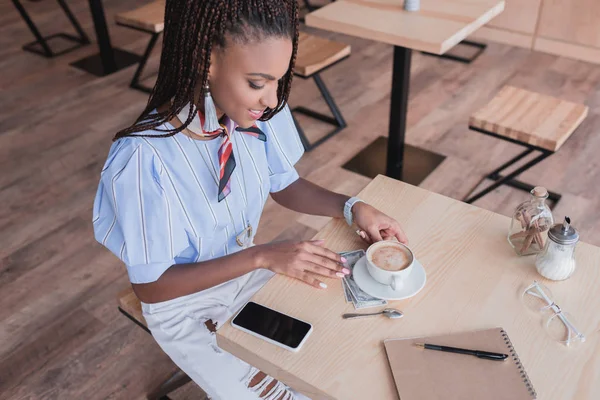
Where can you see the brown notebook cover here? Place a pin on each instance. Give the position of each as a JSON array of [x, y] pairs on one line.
[[430, 374]]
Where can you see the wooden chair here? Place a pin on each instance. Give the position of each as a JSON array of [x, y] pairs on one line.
[[315, 54], [40, 45], [131, 307], [535, 121]]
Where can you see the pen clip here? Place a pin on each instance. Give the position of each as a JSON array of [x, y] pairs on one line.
[[491, 356]]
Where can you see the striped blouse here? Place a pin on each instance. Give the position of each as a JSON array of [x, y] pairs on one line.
[[157, 202]]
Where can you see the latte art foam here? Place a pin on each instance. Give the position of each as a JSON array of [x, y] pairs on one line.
[[391, 258]]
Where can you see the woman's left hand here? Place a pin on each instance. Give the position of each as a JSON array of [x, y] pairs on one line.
[[376, 226]]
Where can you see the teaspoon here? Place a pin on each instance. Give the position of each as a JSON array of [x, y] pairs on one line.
[[388, 312]]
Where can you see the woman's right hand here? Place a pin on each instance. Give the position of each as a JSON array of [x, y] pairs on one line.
[[306, 261]]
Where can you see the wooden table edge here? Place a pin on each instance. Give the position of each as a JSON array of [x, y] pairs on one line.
[[314, 20]]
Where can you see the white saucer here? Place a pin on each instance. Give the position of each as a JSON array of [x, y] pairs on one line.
[[413, 285]]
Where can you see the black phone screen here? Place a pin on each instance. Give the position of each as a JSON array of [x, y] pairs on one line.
[[272, 324]]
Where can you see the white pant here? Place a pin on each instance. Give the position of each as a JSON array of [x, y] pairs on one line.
[[178, 326]]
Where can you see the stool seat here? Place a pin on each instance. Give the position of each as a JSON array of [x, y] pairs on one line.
[[316, 53], [530, 118], [130, 305], [149, 17], [539, 123]]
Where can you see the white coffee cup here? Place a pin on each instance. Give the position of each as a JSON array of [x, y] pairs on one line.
[[385, 274]]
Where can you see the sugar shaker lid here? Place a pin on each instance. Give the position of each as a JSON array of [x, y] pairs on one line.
[[564, 233]]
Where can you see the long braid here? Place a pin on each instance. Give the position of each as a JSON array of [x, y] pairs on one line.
[[192, 28]]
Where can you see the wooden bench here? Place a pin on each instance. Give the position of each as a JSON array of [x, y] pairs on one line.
[[131, 307], [315, 54], [537, 122]]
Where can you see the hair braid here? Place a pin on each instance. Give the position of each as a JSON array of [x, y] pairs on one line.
[[192, 29]]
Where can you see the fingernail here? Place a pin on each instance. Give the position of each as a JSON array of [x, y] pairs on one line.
[[323, 285], [344, 259], [340, 275], [346, 271]]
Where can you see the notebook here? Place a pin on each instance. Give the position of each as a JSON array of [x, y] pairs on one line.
[[432, 375]]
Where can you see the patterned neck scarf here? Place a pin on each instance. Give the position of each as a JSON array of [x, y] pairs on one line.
[[226, 157]]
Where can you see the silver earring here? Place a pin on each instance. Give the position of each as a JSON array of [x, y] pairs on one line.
[[211, 121]]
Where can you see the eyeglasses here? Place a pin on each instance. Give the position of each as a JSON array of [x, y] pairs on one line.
[[560, 325]]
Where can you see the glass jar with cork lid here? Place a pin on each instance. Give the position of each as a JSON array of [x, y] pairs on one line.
[[530, 224]]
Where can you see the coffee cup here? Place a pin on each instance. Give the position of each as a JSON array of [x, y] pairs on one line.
[[390, 263]]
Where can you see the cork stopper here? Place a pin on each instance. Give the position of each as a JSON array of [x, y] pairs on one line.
[[539, 191]]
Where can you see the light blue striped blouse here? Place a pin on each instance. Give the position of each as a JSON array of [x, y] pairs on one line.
[[157, 204]]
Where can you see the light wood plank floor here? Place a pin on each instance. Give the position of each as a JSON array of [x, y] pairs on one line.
[[61, 336]]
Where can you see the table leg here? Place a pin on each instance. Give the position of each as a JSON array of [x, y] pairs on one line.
[[109, 60], [404, 162], [398, 112], [107, 56]]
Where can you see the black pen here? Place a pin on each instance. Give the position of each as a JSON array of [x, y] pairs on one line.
[[486, 355]]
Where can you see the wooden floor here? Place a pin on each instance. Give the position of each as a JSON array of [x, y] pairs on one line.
[[61, 336]]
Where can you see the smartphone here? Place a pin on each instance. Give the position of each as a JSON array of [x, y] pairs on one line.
[[272, 326]]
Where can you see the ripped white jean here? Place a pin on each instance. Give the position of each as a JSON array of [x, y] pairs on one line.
[[179, 327]]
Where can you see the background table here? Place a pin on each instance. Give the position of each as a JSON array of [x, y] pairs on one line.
[[474, 281], [436, 28]]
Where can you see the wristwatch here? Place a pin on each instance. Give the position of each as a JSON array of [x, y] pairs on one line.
[[348, 209]]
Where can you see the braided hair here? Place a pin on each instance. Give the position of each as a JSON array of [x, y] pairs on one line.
[[192, 28]]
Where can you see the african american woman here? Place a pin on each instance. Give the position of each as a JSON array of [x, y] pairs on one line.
[[183, 188]]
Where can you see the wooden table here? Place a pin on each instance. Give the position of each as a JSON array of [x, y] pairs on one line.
[[474, 281], [436, 28]]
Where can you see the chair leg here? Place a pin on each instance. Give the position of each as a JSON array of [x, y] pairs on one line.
[[38, 36], [82, 36], [177, 380], [510, 180], [138, 72], [303, 138], [337, 120], [496, 173], [479, 46], [41, 41]]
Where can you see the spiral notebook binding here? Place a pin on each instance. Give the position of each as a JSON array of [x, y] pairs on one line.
[[519, 365]]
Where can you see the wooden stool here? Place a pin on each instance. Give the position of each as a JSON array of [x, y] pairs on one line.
[[131, 307], [149, 19], [537, 122], [315, 55]]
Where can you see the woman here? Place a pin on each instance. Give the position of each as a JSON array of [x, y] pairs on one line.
[[183, 188]]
